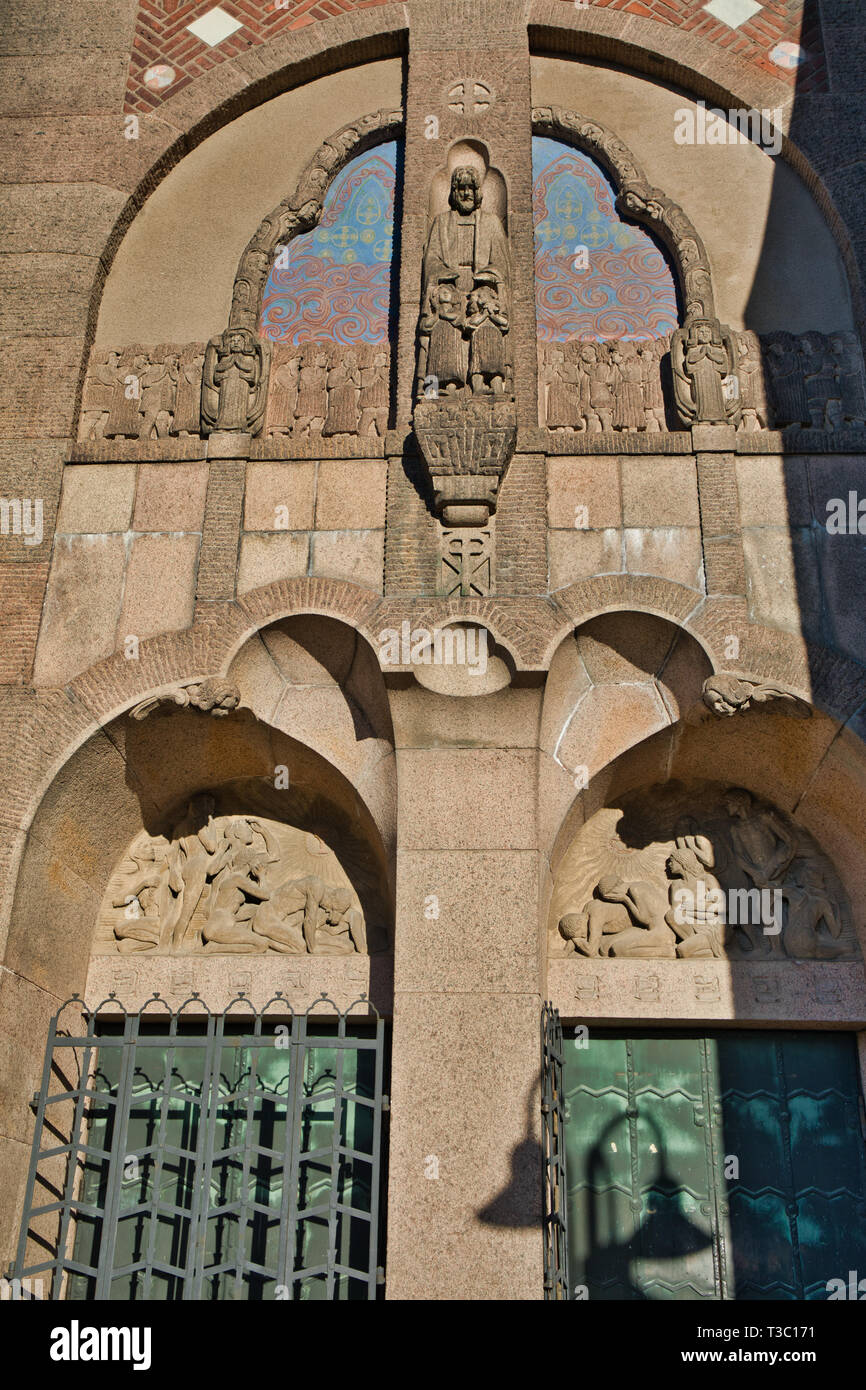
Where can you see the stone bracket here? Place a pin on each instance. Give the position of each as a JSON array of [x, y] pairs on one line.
[[466, 446]]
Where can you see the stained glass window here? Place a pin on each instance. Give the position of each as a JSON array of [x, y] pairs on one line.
[[596, 276], [334, 283]]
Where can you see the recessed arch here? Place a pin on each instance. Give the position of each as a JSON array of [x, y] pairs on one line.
[[301, 210]]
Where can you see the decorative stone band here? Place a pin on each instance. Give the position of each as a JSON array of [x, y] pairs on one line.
[[812, 381], [302, 209], [317, 390], [639, 200]]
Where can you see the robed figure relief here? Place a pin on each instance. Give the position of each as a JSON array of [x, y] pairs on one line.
[[465, 301], [704, 363], [234, 383]]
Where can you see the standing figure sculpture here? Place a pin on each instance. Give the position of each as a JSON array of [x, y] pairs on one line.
[[704, 358], [465, 292], [234, 383], [344, 388]]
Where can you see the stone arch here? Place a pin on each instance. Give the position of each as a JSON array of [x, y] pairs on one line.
[[218, 97], [615, 680], [637, 199], [791, 765], [302, 209], [126, 778]]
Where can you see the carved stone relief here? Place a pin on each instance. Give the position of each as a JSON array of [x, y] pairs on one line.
[[695, 872], [463, 330], [213, 696], [704, 365], [234, 382], [464, 419], [142, 392], [317, 388], [814, 381], [596, 387], [467, 562], [230, 884], [326, 389], [778, 381], [727, 694]]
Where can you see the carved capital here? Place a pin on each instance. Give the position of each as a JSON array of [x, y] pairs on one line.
[[213, 696]]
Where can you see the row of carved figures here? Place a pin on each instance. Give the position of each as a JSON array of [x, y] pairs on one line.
[[814, 381], [317, 388]]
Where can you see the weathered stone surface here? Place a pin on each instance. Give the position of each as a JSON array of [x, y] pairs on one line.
[[96, 500]]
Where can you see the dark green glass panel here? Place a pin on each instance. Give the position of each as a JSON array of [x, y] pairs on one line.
[[729, 1166]]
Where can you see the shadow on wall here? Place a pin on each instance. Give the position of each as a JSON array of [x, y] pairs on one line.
[[805, 557], [518, 1204]]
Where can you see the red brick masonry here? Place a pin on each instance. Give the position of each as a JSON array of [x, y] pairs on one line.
[[161, 36]]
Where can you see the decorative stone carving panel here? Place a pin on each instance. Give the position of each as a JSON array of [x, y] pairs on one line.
[[695, 872], [327, 389], [598, 387], [320, 388], [228, 884], [777, 381], [234, 383], [465, 421], [141, 392]]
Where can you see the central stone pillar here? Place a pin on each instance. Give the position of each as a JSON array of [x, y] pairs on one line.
[[464, 1203], [469, 90]]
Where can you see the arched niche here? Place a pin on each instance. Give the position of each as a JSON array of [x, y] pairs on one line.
[[135, 779], [698, 870], [302, 210], [810, 771], [318, 680], [613, 682], [471, 154], [598, 277], [639, 201]]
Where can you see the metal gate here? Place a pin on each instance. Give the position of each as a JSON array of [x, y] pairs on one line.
[[184, 1155], [553, 1157]]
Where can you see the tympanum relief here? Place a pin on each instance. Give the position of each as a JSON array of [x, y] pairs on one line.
[[230, 884], [694, 873]]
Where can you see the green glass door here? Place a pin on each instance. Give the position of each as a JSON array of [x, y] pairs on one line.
[[721, 1167]]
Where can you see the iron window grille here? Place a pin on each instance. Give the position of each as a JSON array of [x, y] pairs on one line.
[[191, 1155]]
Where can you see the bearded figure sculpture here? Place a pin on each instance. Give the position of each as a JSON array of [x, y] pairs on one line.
[[465, 299]]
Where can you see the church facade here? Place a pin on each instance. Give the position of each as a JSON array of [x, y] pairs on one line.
[[434, 670]]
